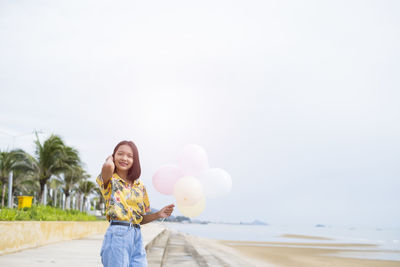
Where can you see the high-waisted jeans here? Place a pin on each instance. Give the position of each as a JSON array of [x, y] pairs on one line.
[[123, 247]]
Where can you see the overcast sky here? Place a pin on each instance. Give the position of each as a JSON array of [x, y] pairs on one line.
[[297, 100]]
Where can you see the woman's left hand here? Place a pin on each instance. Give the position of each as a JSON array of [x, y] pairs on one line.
[[166, 211]]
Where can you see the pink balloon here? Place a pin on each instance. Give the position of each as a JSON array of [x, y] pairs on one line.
[[193, 160], [165, 178]]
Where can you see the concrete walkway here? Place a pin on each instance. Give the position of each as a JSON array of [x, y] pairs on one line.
[[166, 248], [81, 252], [72, 253]]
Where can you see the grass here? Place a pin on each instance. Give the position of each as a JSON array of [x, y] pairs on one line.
[[44, 213]]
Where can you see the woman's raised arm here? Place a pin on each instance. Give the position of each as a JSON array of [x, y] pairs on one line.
[[108, 170]]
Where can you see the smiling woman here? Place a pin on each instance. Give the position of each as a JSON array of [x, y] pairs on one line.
[[127, 203]]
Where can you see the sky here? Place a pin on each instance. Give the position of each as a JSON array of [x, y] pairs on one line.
[[297, 100]]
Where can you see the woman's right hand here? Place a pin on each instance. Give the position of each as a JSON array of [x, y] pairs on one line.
[[108, 169], [110, 161]]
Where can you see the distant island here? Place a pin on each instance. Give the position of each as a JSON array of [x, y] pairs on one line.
[[184, 219], [180, 219], [255, 222]]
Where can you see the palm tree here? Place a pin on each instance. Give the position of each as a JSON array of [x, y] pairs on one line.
[[10, 161], [24, 176], [52, 158], [86, 188], [24, 183], [56, 183], [72, 176], [100, 199]]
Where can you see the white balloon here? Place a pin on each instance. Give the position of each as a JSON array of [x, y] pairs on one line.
[[216, 182], [194, 210], [188, 191], [193, 160]]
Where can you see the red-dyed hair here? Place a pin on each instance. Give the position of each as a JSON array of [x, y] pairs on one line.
[[134, 171]]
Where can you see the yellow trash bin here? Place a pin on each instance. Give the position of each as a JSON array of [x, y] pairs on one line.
[[24, 201]]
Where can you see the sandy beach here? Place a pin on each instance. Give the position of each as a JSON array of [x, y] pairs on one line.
[[308, 254]]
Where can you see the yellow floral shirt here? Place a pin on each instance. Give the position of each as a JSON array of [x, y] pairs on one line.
[[123, 202]]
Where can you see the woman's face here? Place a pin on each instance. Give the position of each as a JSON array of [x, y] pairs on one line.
[[123, 158]]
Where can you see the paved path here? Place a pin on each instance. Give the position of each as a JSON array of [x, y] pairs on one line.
[[73, 253], [165, 248]]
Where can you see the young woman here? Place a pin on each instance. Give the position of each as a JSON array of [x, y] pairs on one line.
[[126, 206]]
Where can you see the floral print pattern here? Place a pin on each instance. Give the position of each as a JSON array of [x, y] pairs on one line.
[[124, 202]]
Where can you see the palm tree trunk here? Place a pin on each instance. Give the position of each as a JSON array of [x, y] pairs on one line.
[[67, 201], [42, 183], [78, 206], [3, 195], [84, 203], [55, 198], [73, 202]]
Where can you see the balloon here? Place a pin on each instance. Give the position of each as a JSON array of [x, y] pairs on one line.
[[216, 182], [188, 191], [193, 160], [194, 210], [165, 178]]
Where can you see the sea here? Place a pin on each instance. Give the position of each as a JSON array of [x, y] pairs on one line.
[[387, 240]]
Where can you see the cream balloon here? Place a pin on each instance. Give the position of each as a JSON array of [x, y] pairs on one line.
[[194, 210], [216, 182], [188, 190]]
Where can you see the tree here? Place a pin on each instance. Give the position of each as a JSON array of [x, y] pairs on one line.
[[55, 183], [52, 158], [72, 176], [86, 188], [24, 176], [10, 161], [24, 183], [100, 199]]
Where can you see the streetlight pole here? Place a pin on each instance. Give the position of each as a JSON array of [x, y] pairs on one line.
[[14, 136], [10, 175]]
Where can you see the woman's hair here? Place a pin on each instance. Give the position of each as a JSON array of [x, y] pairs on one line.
[[134, 171]]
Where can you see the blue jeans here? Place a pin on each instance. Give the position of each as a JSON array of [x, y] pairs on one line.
[[123, 247]]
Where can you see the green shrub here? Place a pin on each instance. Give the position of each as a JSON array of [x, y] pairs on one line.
[[44, 213]]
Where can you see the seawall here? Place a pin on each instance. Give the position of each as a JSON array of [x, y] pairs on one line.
[[19, 235]]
